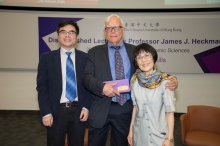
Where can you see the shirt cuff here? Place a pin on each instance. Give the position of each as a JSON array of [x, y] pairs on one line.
[[47, 115], [85, 108]]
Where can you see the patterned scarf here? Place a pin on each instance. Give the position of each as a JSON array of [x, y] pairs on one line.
[[151, 81]]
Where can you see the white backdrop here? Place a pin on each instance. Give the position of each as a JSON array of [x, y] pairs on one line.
[[177, 38]]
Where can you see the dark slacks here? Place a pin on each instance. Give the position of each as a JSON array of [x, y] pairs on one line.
[[67, 122], [119, 119]]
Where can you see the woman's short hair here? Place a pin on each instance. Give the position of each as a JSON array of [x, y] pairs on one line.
[[144, 47]]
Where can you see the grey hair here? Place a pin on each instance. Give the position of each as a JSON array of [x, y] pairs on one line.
[[114, 15]]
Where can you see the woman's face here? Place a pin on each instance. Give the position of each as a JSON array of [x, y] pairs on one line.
[[145, 62]]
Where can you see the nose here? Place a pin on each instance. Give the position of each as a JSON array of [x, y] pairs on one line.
[[67, 34], [113, 29], [144, 58]]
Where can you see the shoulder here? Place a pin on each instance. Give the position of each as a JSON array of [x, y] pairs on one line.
[[80, 52], [98, 47], [135, 84], [164, 83], [50, 53], [130, 46], [163, 86]]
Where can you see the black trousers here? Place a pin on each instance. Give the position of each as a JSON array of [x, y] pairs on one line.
[[119, 119], [67, 122]]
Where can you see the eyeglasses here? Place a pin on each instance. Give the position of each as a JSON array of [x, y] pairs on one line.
[[115, 28], [145, 56], [64, 32]]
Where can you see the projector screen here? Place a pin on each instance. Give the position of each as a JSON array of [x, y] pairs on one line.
[[114, 4]]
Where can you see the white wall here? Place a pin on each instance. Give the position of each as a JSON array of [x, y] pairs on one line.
[[18, 90], [197, 89]]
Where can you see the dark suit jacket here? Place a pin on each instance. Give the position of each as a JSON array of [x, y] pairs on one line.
[[49, 83], [96, 71]]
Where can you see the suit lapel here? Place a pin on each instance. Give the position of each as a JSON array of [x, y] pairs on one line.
[[105, 57], [78, 69], [78, 62]]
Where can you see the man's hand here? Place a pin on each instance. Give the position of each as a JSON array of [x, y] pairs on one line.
[[47, 121], [173, 84], [84, 115], [109, 91]]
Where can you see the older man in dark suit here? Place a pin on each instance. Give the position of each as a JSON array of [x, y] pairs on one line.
[[111, 61], [64, 102]]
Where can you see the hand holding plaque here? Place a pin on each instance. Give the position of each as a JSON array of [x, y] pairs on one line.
[[122, 86]]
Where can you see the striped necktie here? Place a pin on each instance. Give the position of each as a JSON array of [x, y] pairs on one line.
[[119, 72], [70, 79]]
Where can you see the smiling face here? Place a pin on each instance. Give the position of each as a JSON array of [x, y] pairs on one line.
[[145, 62], [114, 36], [67, 40]]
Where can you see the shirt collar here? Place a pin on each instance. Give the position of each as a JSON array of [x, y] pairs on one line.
[[63, 51], [121, 45]]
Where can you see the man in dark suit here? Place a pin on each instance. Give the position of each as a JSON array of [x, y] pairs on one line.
[[105, 112], [64, 109]]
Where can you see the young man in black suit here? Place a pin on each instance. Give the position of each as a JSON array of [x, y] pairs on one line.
[[64, 102], [105, 112]]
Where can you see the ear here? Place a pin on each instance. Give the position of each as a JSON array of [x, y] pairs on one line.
[[123, 29], [104, 31]]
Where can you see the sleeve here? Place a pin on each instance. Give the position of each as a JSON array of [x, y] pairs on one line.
[[168, 98], [43, 87], [133, 98], [89, 80]]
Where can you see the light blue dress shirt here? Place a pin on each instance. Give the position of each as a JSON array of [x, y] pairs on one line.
[[126, 63]]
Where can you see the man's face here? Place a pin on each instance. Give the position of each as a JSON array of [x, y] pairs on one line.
[[114, 35], [67, 37]]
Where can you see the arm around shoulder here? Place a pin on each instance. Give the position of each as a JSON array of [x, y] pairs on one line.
[[173, 83]]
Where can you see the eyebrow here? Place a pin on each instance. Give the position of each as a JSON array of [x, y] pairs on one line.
[[68, 31], [144, 54]]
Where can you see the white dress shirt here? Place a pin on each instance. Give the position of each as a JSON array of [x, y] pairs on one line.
[[63, 57]]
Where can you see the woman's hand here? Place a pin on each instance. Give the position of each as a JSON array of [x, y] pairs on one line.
[[130, 138], [167, 143]]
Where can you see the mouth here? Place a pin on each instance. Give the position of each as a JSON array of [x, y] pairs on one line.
[[67, 40], [145, 64], [113, 36]]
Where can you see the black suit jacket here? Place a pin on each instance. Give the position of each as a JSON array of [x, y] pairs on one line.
[[96, 71], [49, 83]]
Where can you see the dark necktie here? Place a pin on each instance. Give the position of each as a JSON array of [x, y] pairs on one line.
[[119, 71], [70, 79]]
